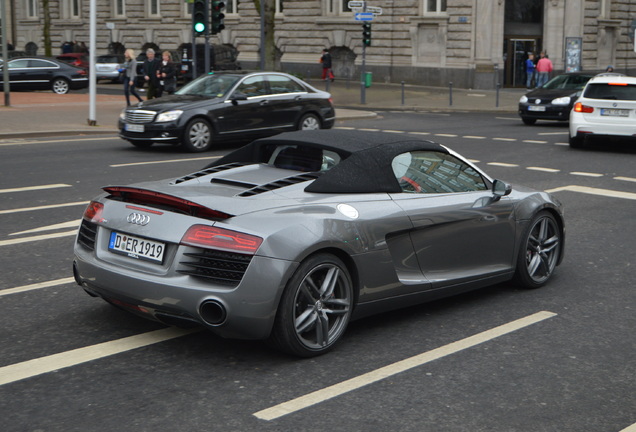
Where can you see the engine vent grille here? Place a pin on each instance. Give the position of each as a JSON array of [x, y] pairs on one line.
[[87, 234], [288, 181], [208, 171], [222, 267], [140, 116]]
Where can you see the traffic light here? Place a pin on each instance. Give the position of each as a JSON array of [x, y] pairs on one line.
[[200, 17], [217, 16], [366, 34]]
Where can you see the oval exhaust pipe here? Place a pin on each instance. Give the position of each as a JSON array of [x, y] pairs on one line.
[[213, 312]]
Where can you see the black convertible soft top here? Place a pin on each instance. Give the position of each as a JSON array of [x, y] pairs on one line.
[[366, 157]]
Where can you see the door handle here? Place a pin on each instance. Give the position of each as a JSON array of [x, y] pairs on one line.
[[264, 102]]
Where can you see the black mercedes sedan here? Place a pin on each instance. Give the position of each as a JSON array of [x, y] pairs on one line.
[[554, 100], [41, 73], [227, 106]]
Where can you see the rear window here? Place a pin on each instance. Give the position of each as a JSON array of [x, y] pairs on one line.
[[110, 59], [611, 91]]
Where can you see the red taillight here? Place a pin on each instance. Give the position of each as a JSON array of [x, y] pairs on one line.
[[82, 72], [219, 238], [579, 107], [617, 84], [93, 212]]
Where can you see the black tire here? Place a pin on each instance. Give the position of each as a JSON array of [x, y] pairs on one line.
[[539, 252], [576, 141], [60, 86], [142, 144], [315, 307], [197, 136], [309, 122], [529, 121]]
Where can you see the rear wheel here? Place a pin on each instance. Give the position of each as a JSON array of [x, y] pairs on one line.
[[309, 122], [197, 136], [315, 308], [60, 86], [539, 252], [529, 121]]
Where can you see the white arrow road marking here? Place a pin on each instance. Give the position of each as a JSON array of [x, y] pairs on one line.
[[44, 207], [595, 191], [63, 225], [37, 238], [35, 286], [396, 368]]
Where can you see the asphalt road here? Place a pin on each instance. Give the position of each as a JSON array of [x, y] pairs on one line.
[[560, 358]]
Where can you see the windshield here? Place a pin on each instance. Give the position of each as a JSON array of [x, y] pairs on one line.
[[572, 82], [211, 85]]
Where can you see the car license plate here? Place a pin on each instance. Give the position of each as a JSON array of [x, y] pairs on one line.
[[136, 247], [134, 127], [614, 112], [536, 108]]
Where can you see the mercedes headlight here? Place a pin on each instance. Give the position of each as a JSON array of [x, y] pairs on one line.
[[169, 116]]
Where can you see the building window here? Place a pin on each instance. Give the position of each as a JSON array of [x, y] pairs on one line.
[[338, 7], [279, 6], [32, 9], [152, 6], [75, 8], [231, 7], [119, 8], [434, 6]]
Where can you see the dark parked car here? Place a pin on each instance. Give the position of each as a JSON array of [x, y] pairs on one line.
[[293, 236], [225, 106], [554, 100], [76, 59], [38, 73]]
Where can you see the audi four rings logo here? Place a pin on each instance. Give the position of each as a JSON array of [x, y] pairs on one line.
[[138, 218]]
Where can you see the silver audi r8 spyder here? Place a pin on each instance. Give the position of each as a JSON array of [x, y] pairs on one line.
[[291, 237]]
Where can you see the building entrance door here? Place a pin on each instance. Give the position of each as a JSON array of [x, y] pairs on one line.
[[516, 52]]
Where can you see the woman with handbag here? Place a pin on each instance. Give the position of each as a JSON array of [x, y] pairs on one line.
[[167, 75], [129, 74]]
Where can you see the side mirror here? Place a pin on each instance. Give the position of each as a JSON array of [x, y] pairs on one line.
[[238, 96], [501, 189]]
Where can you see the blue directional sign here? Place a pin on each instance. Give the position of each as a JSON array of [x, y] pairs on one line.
[[364, 16]]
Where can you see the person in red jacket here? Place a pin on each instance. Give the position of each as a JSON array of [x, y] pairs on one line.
[[544, 67]]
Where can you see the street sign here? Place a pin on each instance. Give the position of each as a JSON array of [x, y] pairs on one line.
[[364, 16], [355, 4], [374, 10]]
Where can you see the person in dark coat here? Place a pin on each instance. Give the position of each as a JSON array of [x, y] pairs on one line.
[[151, 67], [325, 59], [167, 75]]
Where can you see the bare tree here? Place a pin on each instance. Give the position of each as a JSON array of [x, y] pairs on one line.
[[269, 9], [46, 30]]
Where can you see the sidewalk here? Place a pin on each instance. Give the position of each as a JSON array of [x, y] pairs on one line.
[[44, 113]]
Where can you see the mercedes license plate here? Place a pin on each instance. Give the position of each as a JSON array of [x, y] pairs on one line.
[[136, 247], [134, 127], [613, 112]]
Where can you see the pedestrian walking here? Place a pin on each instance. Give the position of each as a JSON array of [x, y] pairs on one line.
[[544, 67], [151, 67], [325, 59], [167, 74], [130, 75], [529, 70]]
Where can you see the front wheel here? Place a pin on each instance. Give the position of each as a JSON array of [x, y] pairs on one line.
[[309, 122], [197, 136], [539, 252], [315, 308], [60, 86]]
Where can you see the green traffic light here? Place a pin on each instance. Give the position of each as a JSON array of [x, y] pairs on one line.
[[199, 27]]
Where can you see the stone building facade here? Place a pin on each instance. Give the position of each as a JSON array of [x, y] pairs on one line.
[[472, 43]]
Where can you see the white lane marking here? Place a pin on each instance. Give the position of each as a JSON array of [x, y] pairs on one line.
[[345, 128], [629, 179], [163, 161], [369, 130], [446, 135], [63, 225], [474, 137], [14, 143], [476, 94], [419, 133], [35, 286], [586, 174], [37, 238], [553, 133], [392, 131], [355, 383], [508, 118], [45, 207], [562, 144], [42, 365], [505, 139], [595, 191], [34, 188], [502, 164], [631, 428], [550, 170], [534, 142]]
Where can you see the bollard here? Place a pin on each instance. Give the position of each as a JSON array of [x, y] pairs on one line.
[[450, 93], [402, 93], [497, 100]]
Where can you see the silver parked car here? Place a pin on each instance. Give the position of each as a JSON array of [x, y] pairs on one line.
[[291, 237]]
